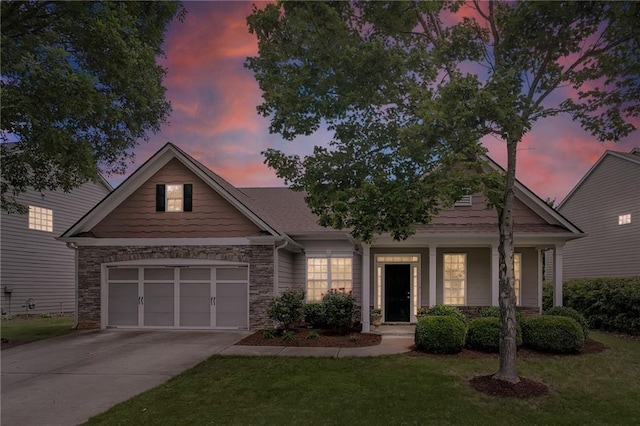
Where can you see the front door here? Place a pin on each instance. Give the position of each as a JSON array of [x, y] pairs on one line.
[[397, 293]]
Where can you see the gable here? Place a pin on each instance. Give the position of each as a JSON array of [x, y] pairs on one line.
[[211, 216]]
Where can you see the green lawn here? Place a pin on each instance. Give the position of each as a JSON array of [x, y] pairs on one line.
[[22, 330], [596, 389]]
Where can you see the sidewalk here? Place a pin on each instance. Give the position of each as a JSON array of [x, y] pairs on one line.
[[390, 345]]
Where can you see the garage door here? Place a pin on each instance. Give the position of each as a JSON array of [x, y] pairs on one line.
[[178, 297]]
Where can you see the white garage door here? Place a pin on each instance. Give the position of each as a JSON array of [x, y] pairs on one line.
[[180, 297]]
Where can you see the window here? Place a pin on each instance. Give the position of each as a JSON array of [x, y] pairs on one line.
[[324, 274], [40, 219], [517, 275], [455, 277], [464, 201], [174, 198], [623, 219]]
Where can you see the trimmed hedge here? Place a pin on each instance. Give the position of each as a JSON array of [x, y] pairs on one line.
[[563, 311], [446, 311], [484, 334], [552, 334], [440, 334], [607, 303], [315, 314]]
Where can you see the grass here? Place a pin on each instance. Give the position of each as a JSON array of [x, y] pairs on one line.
[[596, 389], [23, 330]]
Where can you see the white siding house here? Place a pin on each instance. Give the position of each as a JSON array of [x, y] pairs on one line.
[[36, 269]]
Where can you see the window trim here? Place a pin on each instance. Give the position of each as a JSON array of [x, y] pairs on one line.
[[465, 283], [518, 292], [168, 199], [329, 280], [162, 197], [40, 219]]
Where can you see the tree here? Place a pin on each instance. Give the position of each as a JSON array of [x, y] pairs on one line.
[[409, 89], [79, 88]]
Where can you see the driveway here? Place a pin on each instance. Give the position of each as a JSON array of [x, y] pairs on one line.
[[66, 380]]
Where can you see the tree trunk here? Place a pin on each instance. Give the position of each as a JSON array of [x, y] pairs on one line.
[[508, 347]]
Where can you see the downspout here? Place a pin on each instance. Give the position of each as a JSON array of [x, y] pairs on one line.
[[276, 275], [74, 247]]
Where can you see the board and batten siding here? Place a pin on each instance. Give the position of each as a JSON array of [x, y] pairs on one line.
[[33, 263], [609, 250], [212, 215]]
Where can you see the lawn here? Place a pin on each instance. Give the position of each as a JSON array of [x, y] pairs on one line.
[[22, 330], [594, 389]]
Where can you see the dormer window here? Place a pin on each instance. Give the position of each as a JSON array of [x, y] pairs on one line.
[[624, 219], [174, 197], [464, 201]]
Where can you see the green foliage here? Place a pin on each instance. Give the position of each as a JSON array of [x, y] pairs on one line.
[[552, 334], [440, 334], [354, 338], [547, 295], [443, 310], [269, 333], [563, 311], [494, 311], [313, 335], [80, 88], [287, 310], [484, 334], [314, 314], [340, 310], [607, 303], [288, 335]]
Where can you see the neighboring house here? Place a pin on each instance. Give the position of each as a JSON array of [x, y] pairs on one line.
[[605, 204], [35, 269], [177, 246]]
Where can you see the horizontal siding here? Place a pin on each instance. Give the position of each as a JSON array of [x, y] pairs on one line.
[[285, 271], [299, 270], [33, 262], [212, 215], [478, 213], [529, 291], [609, 249]]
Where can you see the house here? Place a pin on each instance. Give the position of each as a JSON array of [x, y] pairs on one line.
[[605, 204], [177, 246], [37, 272]]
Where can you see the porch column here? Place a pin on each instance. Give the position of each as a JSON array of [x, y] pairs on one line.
[[366, 287], [557, 274], [495, 275], [540, 278], [432, 275]]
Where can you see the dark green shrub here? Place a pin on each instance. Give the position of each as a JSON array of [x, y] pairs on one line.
[[315, 315], [494, 311], [269, 333], [313, 335], [340, 310], [288, 335], [484, 334], [607, 303], [287, 310], [547, 295], [440, 334], [563, 311], [552, 334], [446, 311]]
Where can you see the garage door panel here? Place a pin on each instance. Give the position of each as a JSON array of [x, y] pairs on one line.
[[195, 274], [231, 306], [158, 304], [123, 304], [195, 305]]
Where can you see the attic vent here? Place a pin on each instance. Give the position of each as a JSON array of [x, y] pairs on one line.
[[464, 201]]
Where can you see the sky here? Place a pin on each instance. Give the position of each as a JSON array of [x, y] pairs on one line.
[[214, 116]]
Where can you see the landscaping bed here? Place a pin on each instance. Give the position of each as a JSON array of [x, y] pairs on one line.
[[324, 338]]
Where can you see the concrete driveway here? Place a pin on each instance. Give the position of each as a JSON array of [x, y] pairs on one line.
[[66, 380]]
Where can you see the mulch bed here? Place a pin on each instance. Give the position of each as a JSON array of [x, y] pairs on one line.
[[353, 339], [525, 388]]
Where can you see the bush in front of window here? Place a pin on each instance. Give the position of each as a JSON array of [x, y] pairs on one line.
[[484, 334], [547, 295], [340, 311], [446, 311], [440, 334], [553, 334], [315, 314], [287, 310], [563, 311]]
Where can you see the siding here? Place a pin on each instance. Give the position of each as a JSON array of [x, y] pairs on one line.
[[33, 262], [529, 291], [610, 249], [212, 215], [478, 274], [285, 271]]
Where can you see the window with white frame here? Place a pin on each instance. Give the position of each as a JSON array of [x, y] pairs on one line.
[[328, 273], [517, 276], [624, 219], [455, 278], [175, 195], [40, 219]]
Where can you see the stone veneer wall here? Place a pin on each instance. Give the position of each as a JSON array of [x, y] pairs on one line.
[[90, 260]]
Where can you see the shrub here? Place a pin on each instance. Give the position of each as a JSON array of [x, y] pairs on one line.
[[494, 311], [269, 333], [547, 295], [440, 334], [553, 334], [340, 310], [313, 335], [287, 310], [315, 315], [606, 303], [288, 335], [563, 311], [422, 311], [446, 311], [484, 334]]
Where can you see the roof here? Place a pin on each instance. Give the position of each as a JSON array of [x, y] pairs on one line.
[[633, 157]]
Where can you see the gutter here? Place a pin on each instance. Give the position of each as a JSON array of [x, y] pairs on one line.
[[276, 277], [74, 247]]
